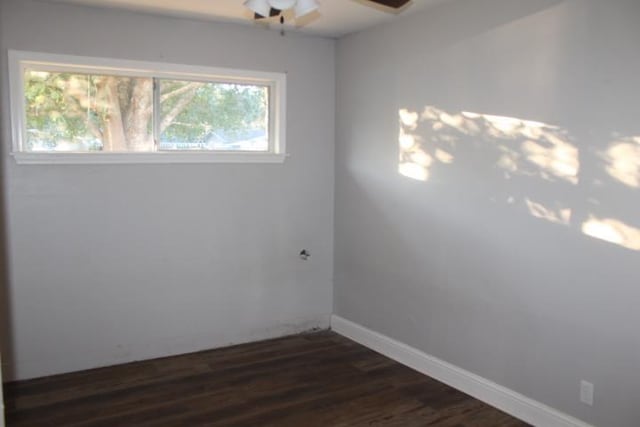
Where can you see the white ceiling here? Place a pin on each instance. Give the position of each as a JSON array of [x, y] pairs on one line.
[[335, 18]]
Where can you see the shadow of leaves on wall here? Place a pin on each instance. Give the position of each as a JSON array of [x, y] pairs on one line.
[[512, 148]]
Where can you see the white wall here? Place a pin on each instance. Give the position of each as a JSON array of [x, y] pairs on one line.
[[113, 263], [485, 263]]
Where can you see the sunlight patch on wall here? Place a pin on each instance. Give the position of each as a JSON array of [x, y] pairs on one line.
[[498, 149], [623, 161], [444, 156], [509, 127], [414, 158], [524, 147], [612, 231], [408, 119], [540, 144], [554, 156], [557, 216], [413, 171]]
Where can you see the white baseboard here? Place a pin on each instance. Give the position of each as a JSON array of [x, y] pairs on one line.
[[507, 400]]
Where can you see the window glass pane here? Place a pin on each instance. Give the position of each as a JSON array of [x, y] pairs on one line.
[[87, 112], [213, 116]]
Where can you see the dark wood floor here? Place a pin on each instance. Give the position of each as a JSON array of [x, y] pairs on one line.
[[319, 379]]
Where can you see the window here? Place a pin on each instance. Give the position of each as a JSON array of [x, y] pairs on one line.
[[68, 109]]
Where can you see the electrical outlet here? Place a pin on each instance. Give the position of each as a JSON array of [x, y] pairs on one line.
[[586, 393]]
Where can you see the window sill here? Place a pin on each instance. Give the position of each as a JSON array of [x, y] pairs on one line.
[[138, 158]]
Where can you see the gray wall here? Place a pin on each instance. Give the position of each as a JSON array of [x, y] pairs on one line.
[[487, 260], [5, 327], [112, 263]]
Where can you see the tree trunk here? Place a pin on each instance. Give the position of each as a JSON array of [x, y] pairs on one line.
[[114, 135], [138, 115]]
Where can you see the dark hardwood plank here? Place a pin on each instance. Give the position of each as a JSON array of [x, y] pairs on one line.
[[319, 379]]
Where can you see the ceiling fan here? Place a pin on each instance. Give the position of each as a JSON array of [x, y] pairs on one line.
[[269, 8]]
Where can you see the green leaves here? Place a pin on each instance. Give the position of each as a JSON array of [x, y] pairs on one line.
[[210, 109], [82, 112]]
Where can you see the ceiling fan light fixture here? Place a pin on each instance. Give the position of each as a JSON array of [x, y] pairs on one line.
[[304, 7], [281, 4], [270, 8], [260, 7]]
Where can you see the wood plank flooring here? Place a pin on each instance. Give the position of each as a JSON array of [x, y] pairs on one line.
[[319, 379]]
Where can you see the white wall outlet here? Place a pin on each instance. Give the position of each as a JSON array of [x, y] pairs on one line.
[[586, 393]]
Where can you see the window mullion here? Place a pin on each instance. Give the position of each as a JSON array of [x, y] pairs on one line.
[[156, 113]]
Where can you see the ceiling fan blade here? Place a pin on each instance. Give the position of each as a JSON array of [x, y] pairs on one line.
[[396, 4], [272, 12]]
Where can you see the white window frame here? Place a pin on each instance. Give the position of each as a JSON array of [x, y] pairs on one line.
[[21, 60]]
